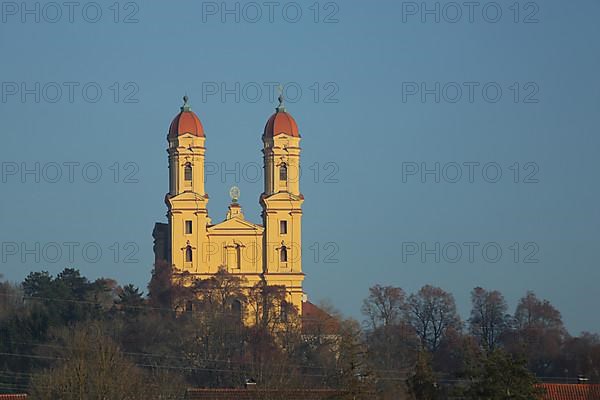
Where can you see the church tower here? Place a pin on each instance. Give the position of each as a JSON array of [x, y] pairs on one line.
[[186, 199], [282, 204], [196, 249]]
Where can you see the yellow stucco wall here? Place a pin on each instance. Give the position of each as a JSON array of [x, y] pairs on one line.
[[243, 248]]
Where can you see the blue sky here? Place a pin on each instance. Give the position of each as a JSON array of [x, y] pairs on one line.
[[369, 75]]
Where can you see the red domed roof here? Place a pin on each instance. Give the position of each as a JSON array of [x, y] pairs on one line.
[[186, 122], [281, 123]]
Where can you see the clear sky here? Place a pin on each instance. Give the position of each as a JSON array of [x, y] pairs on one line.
[[388, 92]]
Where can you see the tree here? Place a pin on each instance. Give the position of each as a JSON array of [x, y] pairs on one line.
[[390, 342], [318, 347], [90, 366], [580, 356], [432, 313], [392, 348], [68, 298], [384, 306], [160, 288], [500, 377], [539, 334], [105, 292], [210, 332], [489, 319], [21, 325], [130, 301], [422, 384], [355, 375], [533, 312], [268, 308], [38, 284], [11, 299], [220, 292]]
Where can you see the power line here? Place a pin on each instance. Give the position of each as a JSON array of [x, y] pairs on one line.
[[190, 368], [166, 309], [156, 355]]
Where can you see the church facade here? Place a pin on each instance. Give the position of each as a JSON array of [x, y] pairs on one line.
[[197, 248]]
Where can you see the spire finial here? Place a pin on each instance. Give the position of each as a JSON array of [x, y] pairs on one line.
[[281, 106], [234, 193], [186, 106]]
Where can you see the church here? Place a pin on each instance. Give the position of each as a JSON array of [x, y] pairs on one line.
[[196, 247]]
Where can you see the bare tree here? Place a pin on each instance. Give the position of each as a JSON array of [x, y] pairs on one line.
[[539, 333], [91, 366], [489, 319], [384, 306], [11, 298], [533, 312], [432, 313], [390, 342], [268, 307], [220, 291]]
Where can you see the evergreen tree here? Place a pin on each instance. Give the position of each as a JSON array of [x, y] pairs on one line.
[[130, 301], [500, 377]]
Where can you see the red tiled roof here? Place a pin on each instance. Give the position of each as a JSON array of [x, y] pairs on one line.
[[186, 122], [260, 394], [570, 391], [317, 321], [12, 396], [281, 123]]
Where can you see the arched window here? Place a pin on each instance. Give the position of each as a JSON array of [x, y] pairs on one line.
[[283, 173], [283, 254], [188, 254], [187, 172]]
